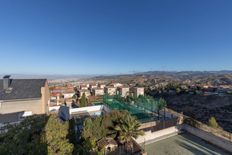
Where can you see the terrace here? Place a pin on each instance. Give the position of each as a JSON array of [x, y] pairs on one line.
[[186, 144]]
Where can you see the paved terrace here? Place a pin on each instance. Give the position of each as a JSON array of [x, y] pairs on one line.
[[184, 144]]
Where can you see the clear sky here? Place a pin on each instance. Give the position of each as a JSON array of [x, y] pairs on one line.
[[114, 36]]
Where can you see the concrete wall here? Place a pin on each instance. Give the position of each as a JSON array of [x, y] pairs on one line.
[[68, 95], [45, 98], [17, 106], [36, 106], [87, 109], [220, 142], [54, 109], [150, 137]]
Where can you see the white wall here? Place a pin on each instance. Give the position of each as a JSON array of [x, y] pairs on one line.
[[150, 137], [35, 106], [87, 109], [218, 141], [54, 108], [68, 95]]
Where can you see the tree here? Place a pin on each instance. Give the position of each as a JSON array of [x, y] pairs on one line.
[[24, 138], [129, 99], [160, 105], [213, 122], [126, 129], [83, 100], [97, 128], [55, 136], [37, 135]]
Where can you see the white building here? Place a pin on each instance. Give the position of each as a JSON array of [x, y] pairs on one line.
[[124, 91], [68, 94], [84, 87], [110, 90], [93, 86], [98, 92], [116, 85], [87, 92], [101, 86], [138, 91]]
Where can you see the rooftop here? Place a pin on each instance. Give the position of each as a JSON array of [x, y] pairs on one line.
[[186, 144], [22, 89]]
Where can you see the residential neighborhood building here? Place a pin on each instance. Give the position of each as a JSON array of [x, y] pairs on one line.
[[137, 91], [87, 92], [98, 92], [84, 87], [20, 96], [101, 86], [110, 90], [68, 94], [116, 85], [124, 91], [93, 86]]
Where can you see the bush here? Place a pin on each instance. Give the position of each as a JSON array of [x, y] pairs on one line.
[[213, 123]]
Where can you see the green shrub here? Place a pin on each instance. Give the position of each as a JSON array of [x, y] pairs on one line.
[[213, 122]]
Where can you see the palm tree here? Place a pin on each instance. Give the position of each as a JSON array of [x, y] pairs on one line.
[[126, 129]]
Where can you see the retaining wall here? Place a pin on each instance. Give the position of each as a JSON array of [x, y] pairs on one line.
[[215, 140]]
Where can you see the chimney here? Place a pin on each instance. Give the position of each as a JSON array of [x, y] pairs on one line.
[[6, 81]]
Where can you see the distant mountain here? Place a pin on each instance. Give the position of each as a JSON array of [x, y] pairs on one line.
[[47, 76], [184, 72]]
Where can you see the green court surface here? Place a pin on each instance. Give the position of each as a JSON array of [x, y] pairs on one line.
[[184, 144], [139, 113]]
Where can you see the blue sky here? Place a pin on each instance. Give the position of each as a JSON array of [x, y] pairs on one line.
[[114, 36]]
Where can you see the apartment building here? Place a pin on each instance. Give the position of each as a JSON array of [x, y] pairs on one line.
[[101, 86], [137, 91], [98, 92], [124, 91], [110, 90], [87, 92], [69, 94]]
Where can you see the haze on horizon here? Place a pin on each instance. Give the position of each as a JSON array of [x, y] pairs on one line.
[[114, 37]]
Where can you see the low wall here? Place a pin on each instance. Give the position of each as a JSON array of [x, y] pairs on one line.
[[215, 140], [147, 125], [54, 109], [150, 137], [87, 109], [199, 125]]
